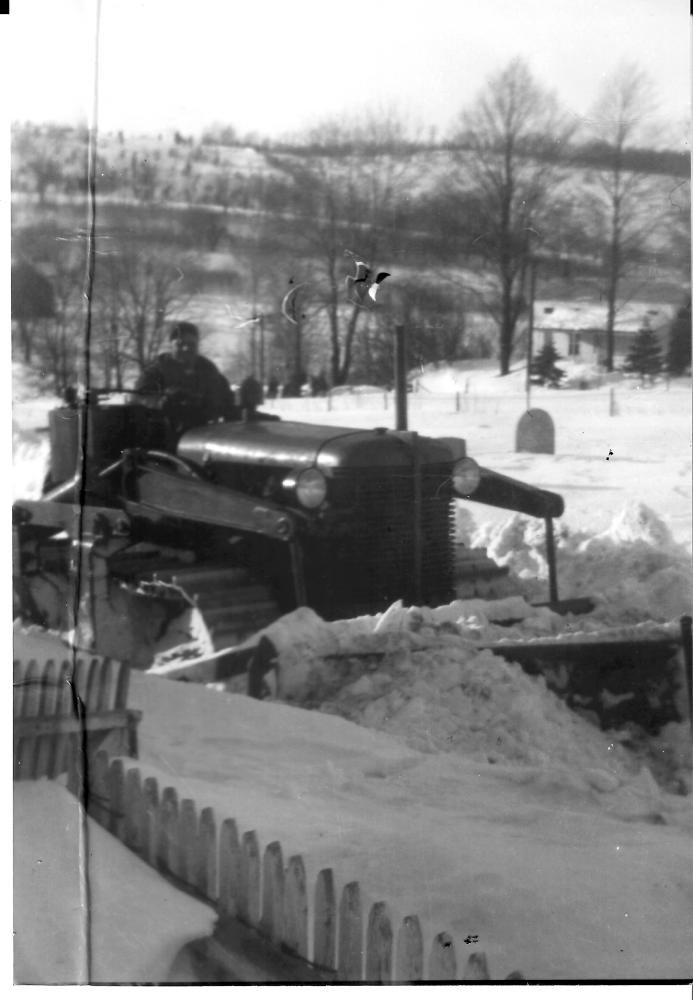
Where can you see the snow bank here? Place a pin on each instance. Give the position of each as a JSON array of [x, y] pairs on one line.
[[634, 569], [86, 909], [30, 448]]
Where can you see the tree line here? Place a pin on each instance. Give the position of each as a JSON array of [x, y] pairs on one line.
[[503, 205]]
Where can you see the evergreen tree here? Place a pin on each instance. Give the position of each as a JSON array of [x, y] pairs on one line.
[[679, 347], [645, 356], [544, 369]]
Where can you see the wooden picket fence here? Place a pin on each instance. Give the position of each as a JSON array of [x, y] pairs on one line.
[[328, 935], [66, 708]]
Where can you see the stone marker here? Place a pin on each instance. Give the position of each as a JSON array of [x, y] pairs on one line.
[[535, 432]]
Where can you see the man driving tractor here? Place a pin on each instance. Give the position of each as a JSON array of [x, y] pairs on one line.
[[193, 390]]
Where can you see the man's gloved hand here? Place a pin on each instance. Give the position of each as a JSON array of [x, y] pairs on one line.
[[181, 397]]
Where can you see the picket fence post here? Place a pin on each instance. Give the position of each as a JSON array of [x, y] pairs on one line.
[[132, 808], [350, 940], [476, 968], [45, 745], [249, 887], [272, 919], [409, 952], [379, 945], [187, 841], [205, 863], [30, 700], [229, 869], [325, 921], [295, 936], [116, 786], [442, 961], [150, 820], [167, 832], [97, 797]]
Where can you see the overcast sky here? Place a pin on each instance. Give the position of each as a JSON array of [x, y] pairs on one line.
[[276, 66]]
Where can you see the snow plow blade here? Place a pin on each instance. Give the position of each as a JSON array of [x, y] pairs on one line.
[[570, 606], [254, 659], [615, 680]]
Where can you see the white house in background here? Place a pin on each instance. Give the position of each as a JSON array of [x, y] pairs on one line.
[[578, 329]]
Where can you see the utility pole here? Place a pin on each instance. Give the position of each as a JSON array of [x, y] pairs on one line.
[[401, 377], [530, 326], [261, 319]]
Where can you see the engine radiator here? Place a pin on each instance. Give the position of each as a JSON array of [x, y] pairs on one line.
[[372, 561]]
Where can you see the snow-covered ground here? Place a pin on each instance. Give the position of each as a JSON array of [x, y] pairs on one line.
[[448, 782]]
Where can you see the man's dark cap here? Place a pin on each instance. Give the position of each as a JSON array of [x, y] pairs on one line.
[[183, 329]]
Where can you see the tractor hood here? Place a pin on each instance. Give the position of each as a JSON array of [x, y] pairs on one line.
[[289, 444]]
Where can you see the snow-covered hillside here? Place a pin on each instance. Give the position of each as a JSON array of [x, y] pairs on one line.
[[445, 780]]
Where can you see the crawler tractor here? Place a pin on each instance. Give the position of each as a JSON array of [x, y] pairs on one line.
[[244, 520], [144, 550]]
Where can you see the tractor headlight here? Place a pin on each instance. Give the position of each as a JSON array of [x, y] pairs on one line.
[[466, 476], [311, 488]]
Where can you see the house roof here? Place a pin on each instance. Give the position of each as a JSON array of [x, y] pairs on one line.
[[554, 314]]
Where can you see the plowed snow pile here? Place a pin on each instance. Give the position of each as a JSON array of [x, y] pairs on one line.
[[634, 570], [417, 673]]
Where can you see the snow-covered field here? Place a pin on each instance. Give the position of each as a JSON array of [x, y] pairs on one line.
[[449, 783]]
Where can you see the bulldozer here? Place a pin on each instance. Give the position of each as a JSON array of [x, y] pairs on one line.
[[144, 550]]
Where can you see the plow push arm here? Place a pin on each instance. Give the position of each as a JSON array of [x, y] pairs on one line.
[[498, 490]]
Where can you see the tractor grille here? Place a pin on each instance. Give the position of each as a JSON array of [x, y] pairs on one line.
[[371, 561]]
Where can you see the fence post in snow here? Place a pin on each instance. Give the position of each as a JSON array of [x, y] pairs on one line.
[[187, 841], [167, 832], [31, 708], [476, 968], [613, 409], [350, 947], [150, 819], [205, 874], [272, 919], [98, 792], [325, 921], [132, 808], [249, 888], [442, 962], [295, 937], [457, 402], [111, 671], [229, 868], [116, 786], [409, 952], [379, 945], [43, 745]]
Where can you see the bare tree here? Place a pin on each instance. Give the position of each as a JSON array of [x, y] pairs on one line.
[[623, 199], [137, 294], [346, 189], [510, 144], [33, 302], [60, 340]]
